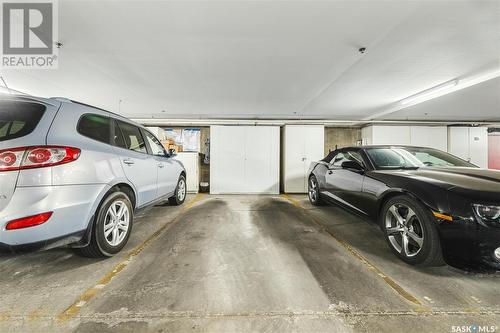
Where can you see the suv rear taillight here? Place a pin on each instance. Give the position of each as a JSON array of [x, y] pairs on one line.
[[29, 221], [36, 157]]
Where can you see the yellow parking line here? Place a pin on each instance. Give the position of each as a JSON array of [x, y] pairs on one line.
[[90, 293], [393, 284], [34, 315]]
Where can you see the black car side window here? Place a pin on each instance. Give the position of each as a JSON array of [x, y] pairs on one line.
[[338, 159], [346, 156]]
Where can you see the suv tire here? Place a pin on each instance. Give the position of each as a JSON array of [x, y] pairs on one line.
[[112, 227], [180, 192]]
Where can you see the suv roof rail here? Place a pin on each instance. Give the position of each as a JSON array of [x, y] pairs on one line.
[[61, 99], [98, 108], [26, 97], [67, 100]]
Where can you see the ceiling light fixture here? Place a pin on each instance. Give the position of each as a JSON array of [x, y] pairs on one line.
[[437, 91], [429, 93]]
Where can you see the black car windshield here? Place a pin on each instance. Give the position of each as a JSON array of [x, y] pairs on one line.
[[413, 157]]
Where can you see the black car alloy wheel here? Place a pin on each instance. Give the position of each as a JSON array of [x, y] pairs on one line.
[[313, 191], [410, 231], [404, 229]]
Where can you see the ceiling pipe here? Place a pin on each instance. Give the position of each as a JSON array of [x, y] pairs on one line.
[[278, 122]]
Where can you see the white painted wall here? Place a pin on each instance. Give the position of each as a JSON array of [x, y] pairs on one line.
[[244, 159]]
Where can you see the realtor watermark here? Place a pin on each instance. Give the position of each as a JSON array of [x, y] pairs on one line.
[[29, 34], [474, 329]]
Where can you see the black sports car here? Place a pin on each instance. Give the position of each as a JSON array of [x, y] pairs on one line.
[[432, 206]]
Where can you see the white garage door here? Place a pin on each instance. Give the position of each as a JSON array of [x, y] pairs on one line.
[[244, 159]]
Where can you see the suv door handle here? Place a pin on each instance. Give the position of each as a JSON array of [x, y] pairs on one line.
[[161, 165], [128, 162], [330, 172]]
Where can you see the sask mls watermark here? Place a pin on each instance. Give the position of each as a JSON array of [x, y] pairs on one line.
[[29, 32], [474, 329]]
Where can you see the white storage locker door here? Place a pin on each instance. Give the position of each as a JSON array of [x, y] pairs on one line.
[[244, 159], [458, 142], [227, 159], [302, 145], [262, 159], [190, 160], [478, 142], [367, 136], [391, 135], [294, 151], [315, 146], [429, 136]]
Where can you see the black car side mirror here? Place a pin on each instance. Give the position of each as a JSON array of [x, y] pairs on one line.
[[172, 153], [352, 165]]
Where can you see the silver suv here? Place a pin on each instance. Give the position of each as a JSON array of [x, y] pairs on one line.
[[74, 174]]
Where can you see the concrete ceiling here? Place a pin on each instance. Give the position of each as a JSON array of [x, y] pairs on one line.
[[267, 59]]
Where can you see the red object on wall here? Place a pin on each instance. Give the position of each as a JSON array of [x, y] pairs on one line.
[[494, 151]]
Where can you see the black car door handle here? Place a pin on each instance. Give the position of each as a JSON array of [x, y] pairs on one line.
[[330, 172]]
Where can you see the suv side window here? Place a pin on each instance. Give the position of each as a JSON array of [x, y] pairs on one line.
[[155, 145], [95, 127], [118, 139], [346, 156], [129, 137]]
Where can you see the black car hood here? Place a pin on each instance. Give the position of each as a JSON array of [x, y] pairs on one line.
[[453, 178]]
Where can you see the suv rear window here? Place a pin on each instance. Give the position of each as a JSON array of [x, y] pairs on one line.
[[95, 127], [18, 119]]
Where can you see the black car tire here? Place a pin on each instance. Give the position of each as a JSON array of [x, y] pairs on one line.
[[313, 193], [430, 253], [98, 246], [178, 199]]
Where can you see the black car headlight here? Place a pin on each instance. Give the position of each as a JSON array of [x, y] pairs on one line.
[[487, 213]]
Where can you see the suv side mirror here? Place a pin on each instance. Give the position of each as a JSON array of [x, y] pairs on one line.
[[172, 153], [352, 165]]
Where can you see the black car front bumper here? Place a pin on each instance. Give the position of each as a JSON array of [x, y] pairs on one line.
[[469, 244]]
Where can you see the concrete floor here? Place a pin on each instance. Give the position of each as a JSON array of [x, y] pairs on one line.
[[243, 263]]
